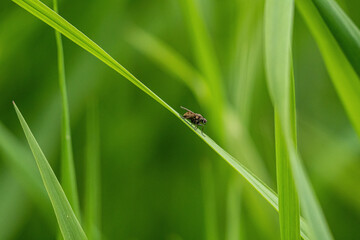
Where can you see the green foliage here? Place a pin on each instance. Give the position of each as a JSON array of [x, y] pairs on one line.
[[344, 30], [68, 177], [136, 167], [68, 223], [345, 80]]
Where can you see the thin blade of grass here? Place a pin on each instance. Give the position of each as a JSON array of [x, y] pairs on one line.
[[343, 76], [278, 36], [346, 33], [68, 176], [68, 223], [44, 13], [92, 216]]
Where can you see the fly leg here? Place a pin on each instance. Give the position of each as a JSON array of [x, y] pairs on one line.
[[202, 129]]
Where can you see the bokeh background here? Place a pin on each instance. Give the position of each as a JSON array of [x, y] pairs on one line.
[[158, 179]]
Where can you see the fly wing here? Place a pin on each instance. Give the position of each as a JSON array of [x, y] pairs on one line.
[[186, 109]]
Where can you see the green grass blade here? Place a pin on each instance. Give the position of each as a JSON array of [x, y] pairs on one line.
[[68, 176], [343, 76], [68, 223], [288, 199], [44, 13], [289, 209], [92, 216], [278, 35], [344, 30]]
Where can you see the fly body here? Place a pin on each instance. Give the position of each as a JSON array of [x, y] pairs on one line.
[[195, 118]]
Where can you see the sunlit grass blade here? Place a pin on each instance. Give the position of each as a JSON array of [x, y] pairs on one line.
[[278, 36], [68, 176], [343, 29], [54, 20], [288, 199], [92, 216], [343, 76], [68, 223]]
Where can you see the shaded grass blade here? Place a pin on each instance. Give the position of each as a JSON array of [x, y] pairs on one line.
[[92, 202], [44, 13], [278, 35], [68, 223], [343, 76], [346, 33], [68, 177]]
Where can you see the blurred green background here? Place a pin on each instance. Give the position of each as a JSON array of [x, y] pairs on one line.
[[158, 181]]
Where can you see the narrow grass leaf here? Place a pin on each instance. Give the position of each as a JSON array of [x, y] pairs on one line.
[[68, 223], [68, 176], [278, 36], [346, 33], [44, 13], [343, 76], [92, 201]]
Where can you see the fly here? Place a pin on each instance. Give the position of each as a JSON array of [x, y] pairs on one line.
[[195, 118]]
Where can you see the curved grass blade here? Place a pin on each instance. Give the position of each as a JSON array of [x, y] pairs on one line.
[[68, 176], [346, 33], [343, 76], [278, 35], [44, 13], [68, 223]]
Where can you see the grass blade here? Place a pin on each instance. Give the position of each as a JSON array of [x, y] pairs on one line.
[[346, 33], [68, 223], [68, 177], [92, 174], [289, 209], [44, 13], [343, 76], [278, 35]]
